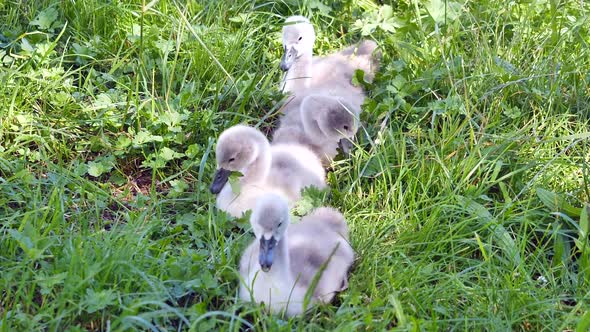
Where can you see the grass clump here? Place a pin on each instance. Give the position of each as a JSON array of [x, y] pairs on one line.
[[466, 195]]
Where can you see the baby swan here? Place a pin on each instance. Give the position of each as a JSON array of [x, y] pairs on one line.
[[305, 71], [278, 268], [298, 40], [324, 123], [283, 169]]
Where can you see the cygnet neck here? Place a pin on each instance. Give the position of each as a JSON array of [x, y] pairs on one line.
[[258, 170], [299, 75]]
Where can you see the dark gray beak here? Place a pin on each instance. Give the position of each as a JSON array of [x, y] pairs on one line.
[[345, 146], [219, 180], [266, 253], [288, 58]]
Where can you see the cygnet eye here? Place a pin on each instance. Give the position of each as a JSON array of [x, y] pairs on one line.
[[300, 37], [345, 127], [280, 224], [231, 159]]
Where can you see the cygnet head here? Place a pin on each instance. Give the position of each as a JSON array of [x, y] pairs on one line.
[[237, 148], [334, 117], [298, 39], [269, 219]]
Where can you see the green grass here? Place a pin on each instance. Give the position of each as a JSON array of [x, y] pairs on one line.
[[465, 195]]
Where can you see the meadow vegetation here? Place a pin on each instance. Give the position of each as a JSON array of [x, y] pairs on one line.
[[466, 193]]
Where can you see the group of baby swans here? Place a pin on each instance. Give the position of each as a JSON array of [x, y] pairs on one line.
[[320, 115]]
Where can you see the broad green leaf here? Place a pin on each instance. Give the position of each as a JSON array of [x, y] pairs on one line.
[[135, 33], [118, 179], [584, 323], [103, 100], [234, 182], [501, 235], [311, 198], [24, 119], [303, 206], [556, 203], [165, 46], [322, 8], [373, 167], [193, 150], [582, 241], [475, 208], [25, 242], [47, 282], [44, 49], [28, 240], [27, 47], [6, 59], [558, 249], [507, 243], [95, 301], [100, 166], [442, 10], [145, 137], [154, 161], [368, 28], [386, 12], [45, 19], [240, 18], [95, 169], [169, 154], [179, 185], [172, 118], [584, 222], [358, 79], [123, 142], [388, 27]]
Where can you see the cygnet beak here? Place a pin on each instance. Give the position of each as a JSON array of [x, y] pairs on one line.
[[265, 256], [288, 58], [219, 180], [345, 146]]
